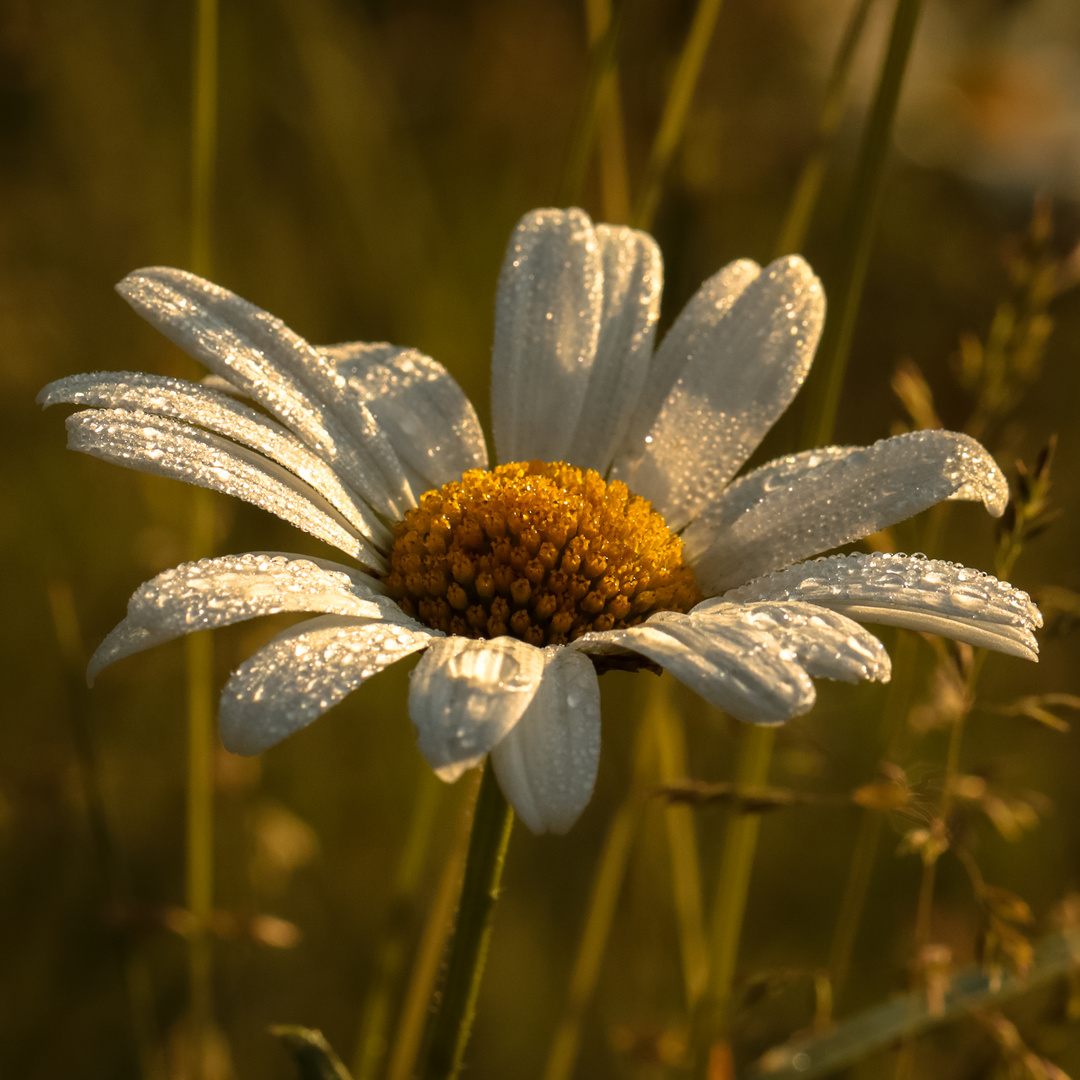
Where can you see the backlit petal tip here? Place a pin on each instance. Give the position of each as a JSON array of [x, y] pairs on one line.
[[912, 591], [305, 671], [795, 507], [546, 765], [217, 592], [465, 695]]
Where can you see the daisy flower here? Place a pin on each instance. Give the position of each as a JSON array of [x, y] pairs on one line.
[[612, 532]]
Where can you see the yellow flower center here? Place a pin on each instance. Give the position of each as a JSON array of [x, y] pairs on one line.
[[542, 552]]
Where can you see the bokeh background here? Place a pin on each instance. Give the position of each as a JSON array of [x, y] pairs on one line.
[[373, 157]]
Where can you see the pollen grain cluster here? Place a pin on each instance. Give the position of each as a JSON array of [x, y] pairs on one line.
[[542, 552]]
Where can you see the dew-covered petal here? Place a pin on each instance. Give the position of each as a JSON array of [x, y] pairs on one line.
[[745, 361], [546, 765], [798, 506], [425, 414], [548, 311], [303, 672], [156, 444], [909, 590], [689, 335], [196, 403], [632, 280], [467, 694], [742, 670], [827, 644], [210, 593], [274, 366]]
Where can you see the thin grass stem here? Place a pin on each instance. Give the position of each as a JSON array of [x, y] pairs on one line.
[[611, 137], [492, 824], [676, 108], [601, 74], [864, 854], [682, 843], [438, 926], [199, 647], [808, 187], [394, 940], [712, 1022], [607, 884], [857, 235]]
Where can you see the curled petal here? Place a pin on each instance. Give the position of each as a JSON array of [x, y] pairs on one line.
[[263, 358], [827, 644], [156, 444], [467, 694], [801, 505], [904, 590], [742, 670], [305, 671], [546, 764], [200, 404], [548, 312], [210, 593]]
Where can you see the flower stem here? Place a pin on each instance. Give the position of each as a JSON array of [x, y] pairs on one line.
[[492, 822], [857, 235], [676, 108], [712, 1021]]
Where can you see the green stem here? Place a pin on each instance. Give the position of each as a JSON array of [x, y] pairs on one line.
[[857, 235], [676, 109], [712, 1023], [492, 823], [808, 187]]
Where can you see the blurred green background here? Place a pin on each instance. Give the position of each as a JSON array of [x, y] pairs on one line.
[[373, 158]]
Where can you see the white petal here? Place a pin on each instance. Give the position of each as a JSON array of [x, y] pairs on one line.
[[199, 404], [210, 593], [266, 360], [921, 594], [428, 419], [467, 694], [742, 370], [303, 672], [155, 444], [633, 278], [739, 669], [827, 644], [547, 764], [548, 311], [798, 506]]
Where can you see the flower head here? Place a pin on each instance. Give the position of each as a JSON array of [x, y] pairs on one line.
[[612, 532]]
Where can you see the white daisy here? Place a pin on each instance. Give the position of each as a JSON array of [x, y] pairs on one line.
[[519, 581]]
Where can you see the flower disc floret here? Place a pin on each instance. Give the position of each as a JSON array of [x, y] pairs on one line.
[[542, 552]]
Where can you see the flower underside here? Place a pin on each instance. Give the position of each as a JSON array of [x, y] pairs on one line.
[[542, 552]]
